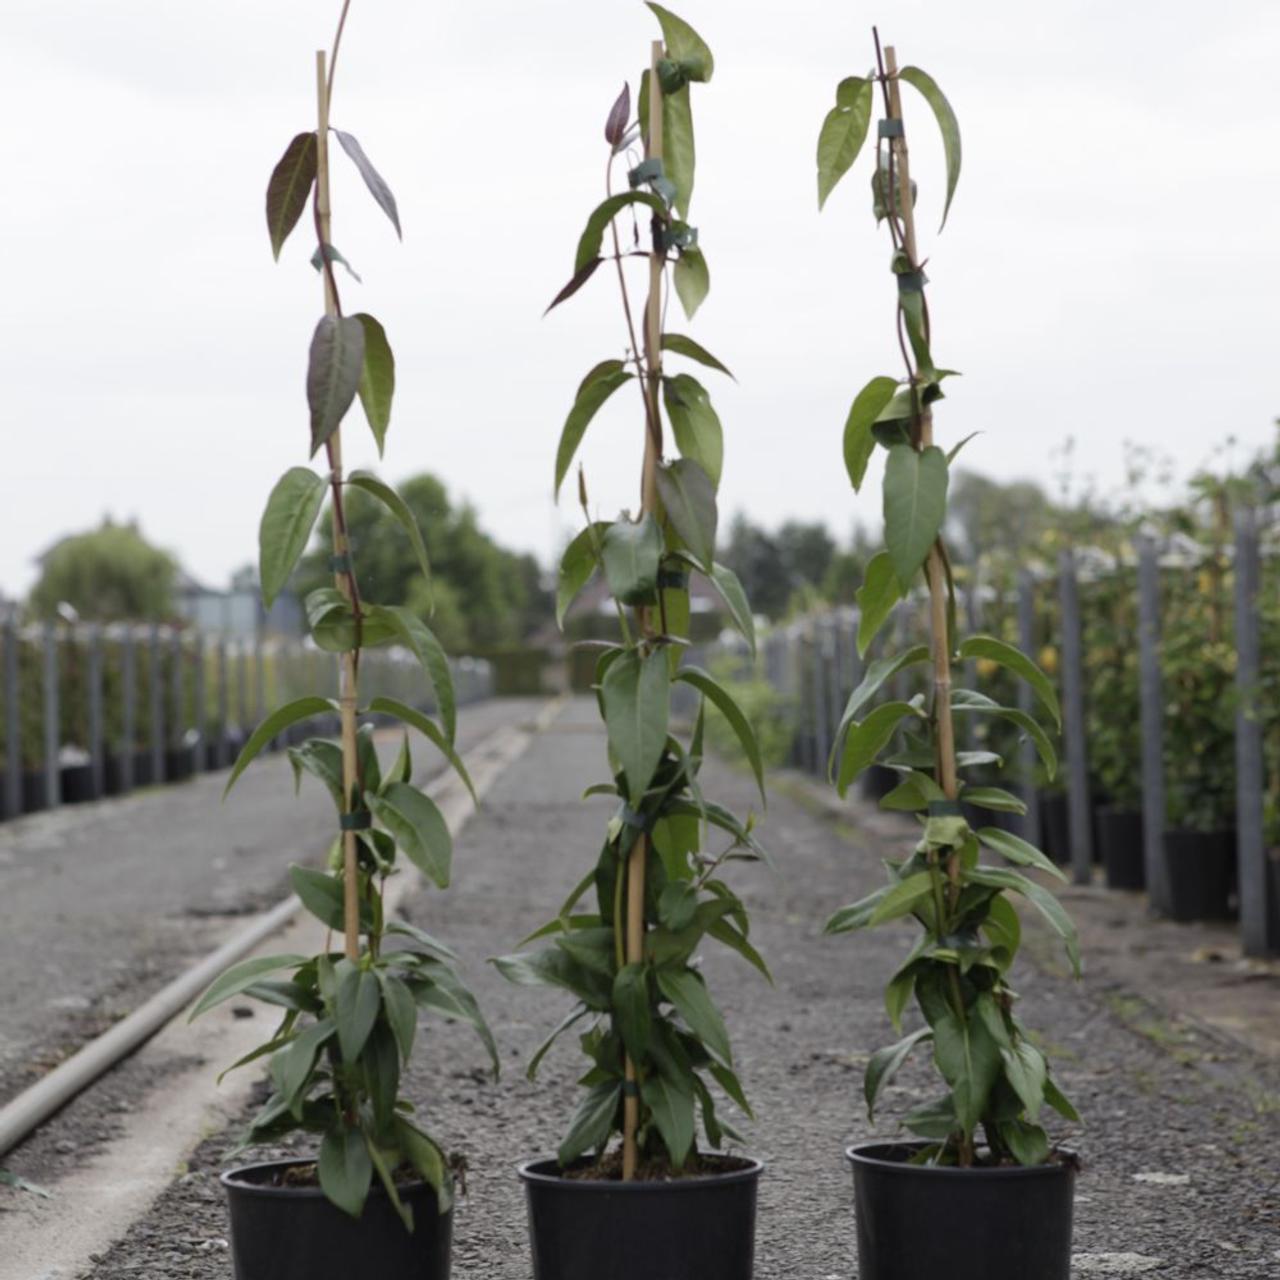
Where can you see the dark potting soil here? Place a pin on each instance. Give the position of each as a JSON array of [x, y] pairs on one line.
[[699, 1165]]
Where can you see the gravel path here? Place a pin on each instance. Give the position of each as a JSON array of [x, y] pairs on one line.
[[1180, 1176]]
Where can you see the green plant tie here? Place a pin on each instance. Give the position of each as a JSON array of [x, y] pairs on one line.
[[340, 564], [631, 818], [646, 171], [944, 809], [911, 281], [358, 820], [679, 235], [891, 129], [673, 579], [630, 1089]]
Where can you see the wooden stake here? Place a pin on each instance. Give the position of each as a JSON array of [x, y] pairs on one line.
[[341, 547], [649, 503], [934, 568]]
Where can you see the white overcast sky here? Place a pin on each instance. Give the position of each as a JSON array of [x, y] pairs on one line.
[[1109, 270]]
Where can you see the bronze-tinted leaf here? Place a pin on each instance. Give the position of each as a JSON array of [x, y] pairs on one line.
[[615, 128], [289, 187], [372, 178], [333, 373]]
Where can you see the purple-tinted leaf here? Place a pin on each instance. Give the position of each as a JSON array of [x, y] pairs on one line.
[[372, 178], [333, 373], [615, 128], [579, 279], [289, 187]]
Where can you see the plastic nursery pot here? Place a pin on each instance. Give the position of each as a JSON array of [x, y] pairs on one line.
[[700, 1228], [179, 763], [1120, 844], [77, 784], [294, 1233], [877, 781], [962, 1224], [1054, 830], [1200, 865], [35, 795]]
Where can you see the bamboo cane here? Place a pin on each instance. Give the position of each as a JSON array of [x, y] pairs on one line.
[[649, 501], [341, 548]]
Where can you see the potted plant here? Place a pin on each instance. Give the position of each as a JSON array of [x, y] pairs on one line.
[[982, 1191], [664, 1201], [375, 1198]]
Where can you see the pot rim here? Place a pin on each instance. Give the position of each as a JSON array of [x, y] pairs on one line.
[[861, 1154], [531, 1174], [234, 1179]]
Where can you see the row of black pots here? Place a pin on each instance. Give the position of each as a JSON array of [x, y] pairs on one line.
[[984, 1224]]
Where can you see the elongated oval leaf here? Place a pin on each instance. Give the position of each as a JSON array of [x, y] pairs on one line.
[[377, 378], [877, 673], [695, 424], [679, 153], [994, 650], [595, 389], [994, 798], [947, 123], [723, 701], [334, 366], [321, 894], [592, 1122], [231, 982], [879, 592], [884, 1063], [859, 442], [615, 127], [731, 592], [684, 44], [281, 718], [1017, 850], [345, 1169], [969, 700], [635, 693], [429, 729], [286, 527], [1039, 897], [843, 133], [689, 498], [685, 346], [902, 898], [577, 567], [864, 741], [631, 1009], [421, 640], [630, 554], [589, 243], [399, 508], [692, 279], [289, 188], [915, 502], [576, 281], [357, 999], [688, 993], [419, 828], [372, 178]]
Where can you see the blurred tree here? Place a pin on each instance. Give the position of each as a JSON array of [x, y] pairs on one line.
[[757, 559], [807, 550], [986, 515], [107, 575]]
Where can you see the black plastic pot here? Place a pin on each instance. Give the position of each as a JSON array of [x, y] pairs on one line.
[[877, 781], [294, 1233], [35, 795], [77, 784], [688, 1229], [962, 1224], [1055, 831], [1201, 864], [1120, 844], [179, 763], [143, 773]]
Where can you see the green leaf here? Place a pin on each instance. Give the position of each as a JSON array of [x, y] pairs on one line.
[[279, 719], [334, 366], [630, 555], [576, 281], [684, 44], [902, 898], [729, 589], [322, 759], [575, 1015], [843, 133], [677, 904], [427, 1159], [915, 503], [858, 440], [1025, 1070], [603, 214], [439, 987], [724, 931], [426, 943], [879, 592], [877, 673], [636, 694], [947, 123], [286, 527], [1028, 1142], [884, 1063], [1040, 898], [955, 448], [333, 626], [357, 1000], [321, 894], [345, 1169], [377, 380], [865, 740], [695, 423], [594, 390], [592, 1122], [688, 993], [685, 346], [402, 1012], [422, 642], [963, 1049], [577, 567], [631, 1011], [968, 700], [993, 650], [912, 794], [994, 798], [679, 154], [231, 982], [672, 1110], [723, 701], [429, 729], [1016, 849], [378, 188], [1060, 1102], [289, 188], [692, 279], [419, 828], [689, 498], [292, 1066], [396, 505]]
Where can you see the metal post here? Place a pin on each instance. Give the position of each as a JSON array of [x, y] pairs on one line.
[[96, 762], [1027, 752], [128, 710], [177, 687], [52, 772], [1258, 926], [821, 734], [201, 718], [223, 714], [155, 688], [1154, 813], [12, 724], [1079, 810]]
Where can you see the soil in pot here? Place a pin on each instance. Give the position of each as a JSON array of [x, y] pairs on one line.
[[1055, 833], [282, 1229], [589, 1228], [1119, 840], [915, 1221], [1201, 865]]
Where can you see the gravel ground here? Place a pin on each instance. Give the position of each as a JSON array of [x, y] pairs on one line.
[[1180, 1172]]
